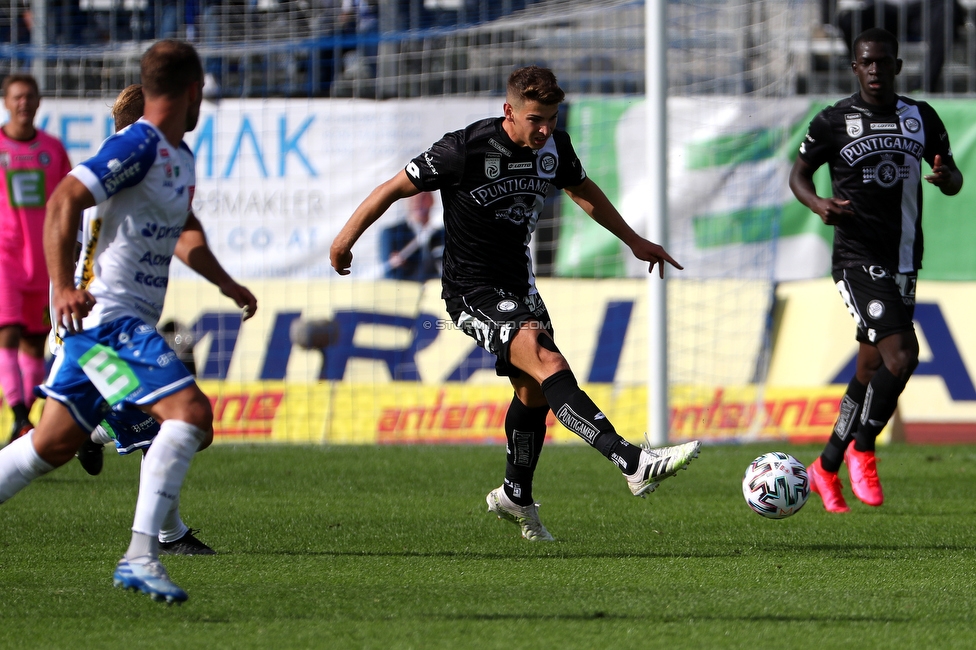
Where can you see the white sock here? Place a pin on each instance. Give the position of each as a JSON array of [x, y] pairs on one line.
[[172, 527], [19, 465], [163, 470], [100, 436]]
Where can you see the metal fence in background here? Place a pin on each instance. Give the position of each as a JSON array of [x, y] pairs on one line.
[[410, 48], [937, 40]]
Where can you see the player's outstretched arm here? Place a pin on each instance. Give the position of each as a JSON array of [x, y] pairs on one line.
[[591, 199], [193, 250], [830, 210], [947, 179], [375, 205], [69, 305]]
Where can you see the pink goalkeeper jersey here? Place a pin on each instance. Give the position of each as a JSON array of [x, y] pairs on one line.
[[30, 171]]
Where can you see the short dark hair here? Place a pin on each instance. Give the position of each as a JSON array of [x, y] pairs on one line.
[[168, 67], [875, 35], [11, 79], [534, 84], [128, 106]]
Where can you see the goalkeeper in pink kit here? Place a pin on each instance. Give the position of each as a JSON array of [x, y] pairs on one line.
[[32, 163]]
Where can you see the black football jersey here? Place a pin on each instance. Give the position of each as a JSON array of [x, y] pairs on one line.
[[493, 192], [875, 157]]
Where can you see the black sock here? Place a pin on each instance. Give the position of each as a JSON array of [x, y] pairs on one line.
[[880, 402], [842, 435], [577, 412], [21, 412], [525, 431]]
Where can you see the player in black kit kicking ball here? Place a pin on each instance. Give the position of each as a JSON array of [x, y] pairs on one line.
[[493, 177], [874, 142]]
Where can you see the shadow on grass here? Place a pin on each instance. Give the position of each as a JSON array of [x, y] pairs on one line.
[[676, 618], [552, 551]]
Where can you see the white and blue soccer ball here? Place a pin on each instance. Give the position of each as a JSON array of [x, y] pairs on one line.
[[776, 485]]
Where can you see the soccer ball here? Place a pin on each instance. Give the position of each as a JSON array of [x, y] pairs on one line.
[[776, 485]]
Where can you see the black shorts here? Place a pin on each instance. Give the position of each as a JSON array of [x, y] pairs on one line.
[[882, 303], [492, 316]]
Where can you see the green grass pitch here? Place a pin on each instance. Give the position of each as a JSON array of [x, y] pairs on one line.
[[391, 547]]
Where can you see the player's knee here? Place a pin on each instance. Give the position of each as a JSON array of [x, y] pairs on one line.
[[903, 365], [546, 343], [199, 412], [208, 436]]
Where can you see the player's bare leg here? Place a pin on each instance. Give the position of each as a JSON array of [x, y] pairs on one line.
[[12, 381], [48, 446]]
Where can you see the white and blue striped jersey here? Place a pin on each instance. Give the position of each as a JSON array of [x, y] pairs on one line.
[[143, 187]]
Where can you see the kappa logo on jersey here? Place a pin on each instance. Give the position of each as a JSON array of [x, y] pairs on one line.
[[854, 125], [547, 163], [493, 165]]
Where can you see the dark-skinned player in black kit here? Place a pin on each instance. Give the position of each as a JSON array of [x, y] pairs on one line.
[[874, 143]]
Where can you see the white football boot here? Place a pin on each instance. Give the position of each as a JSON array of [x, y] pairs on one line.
[[525, 517], [658, 464]]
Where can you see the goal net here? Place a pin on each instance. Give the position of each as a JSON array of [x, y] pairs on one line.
[[310, 118]]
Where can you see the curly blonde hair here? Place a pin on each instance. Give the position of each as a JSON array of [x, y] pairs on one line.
[[128, 106]]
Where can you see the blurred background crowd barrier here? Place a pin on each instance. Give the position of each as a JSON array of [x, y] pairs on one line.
[[415, 48]]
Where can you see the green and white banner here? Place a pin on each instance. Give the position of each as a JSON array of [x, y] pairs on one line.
[[731, 210], [276, 179]]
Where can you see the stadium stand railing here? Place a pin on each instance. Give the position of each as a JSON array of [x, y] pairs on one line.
[[411, 48]]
